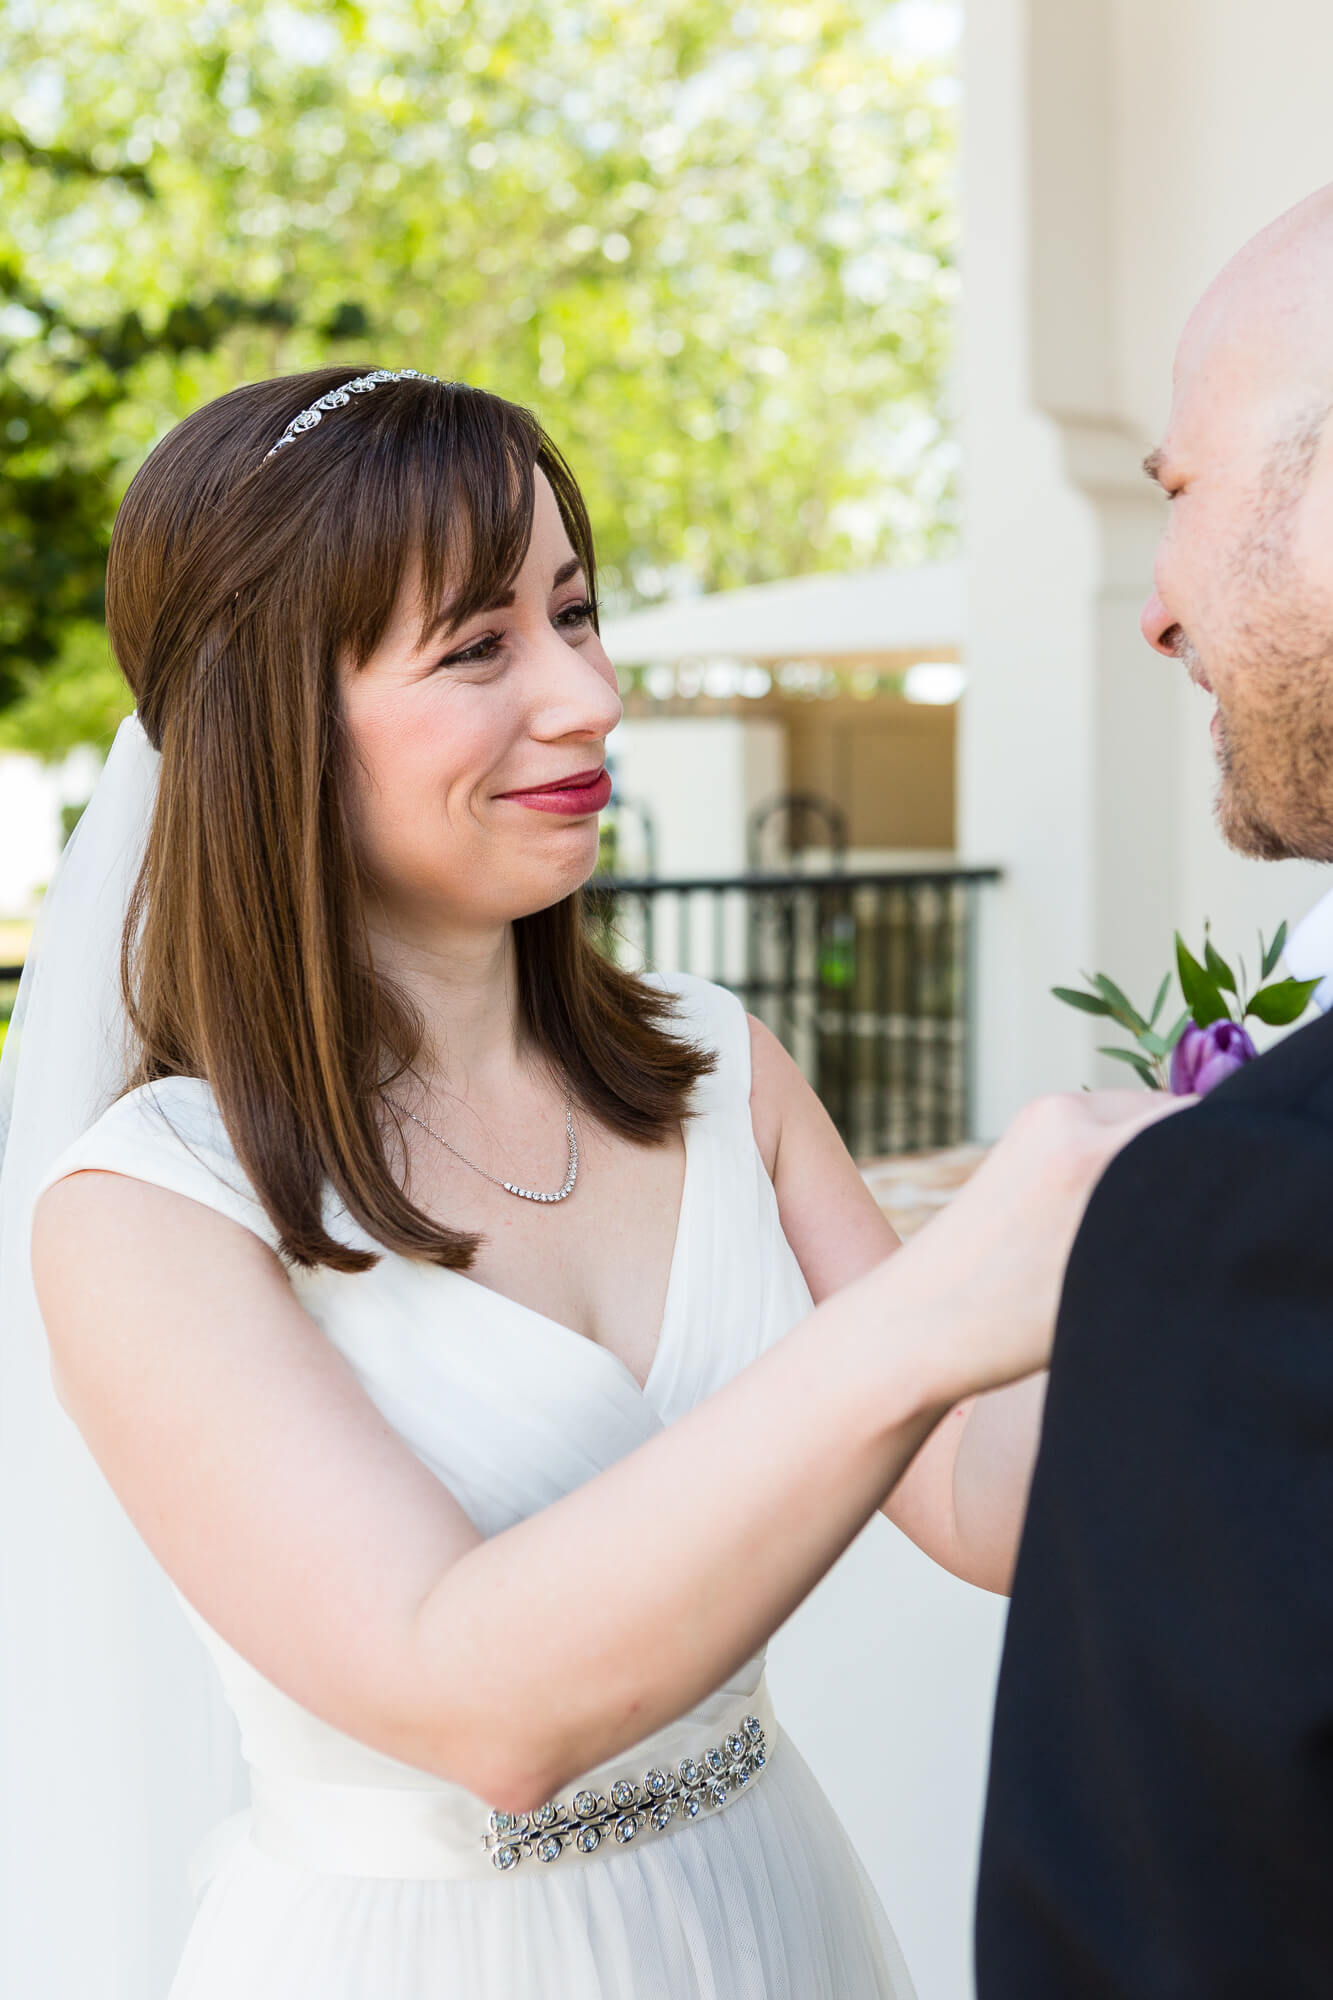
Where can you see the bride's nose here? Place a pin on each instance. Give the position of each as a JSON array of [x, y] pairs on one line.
[[575, 692]]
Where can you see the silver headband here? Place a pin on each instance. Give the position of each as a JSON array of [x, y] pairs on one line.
[[334, 399]]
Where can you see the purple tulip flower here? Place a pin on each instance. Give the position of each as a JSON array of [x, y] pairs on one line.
[[1205, 1057]]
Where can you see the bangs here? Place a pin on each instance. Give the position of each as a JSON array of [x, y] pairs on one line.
[[436, 484]]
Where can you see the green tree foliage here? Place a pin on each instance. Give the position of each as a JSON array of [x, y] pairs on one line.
[[712, 246]]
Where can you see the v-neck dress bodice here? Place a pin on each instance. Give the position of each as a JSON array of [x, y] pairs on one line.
[[356, 1877]]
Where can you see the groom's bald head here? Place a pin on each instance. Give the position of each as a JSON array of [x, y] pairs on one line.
[[1254, 369], [1244, 578]]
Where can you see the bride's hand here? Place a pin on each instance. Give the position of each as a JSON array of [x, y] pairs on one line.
[[987, 1271]]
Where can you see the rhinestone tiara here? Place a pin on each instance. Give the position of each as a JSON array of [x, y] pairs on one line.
[[334, 399]]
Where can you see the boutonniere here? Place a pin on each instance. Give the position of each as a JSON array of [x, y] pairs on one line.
[[1209, 1042]]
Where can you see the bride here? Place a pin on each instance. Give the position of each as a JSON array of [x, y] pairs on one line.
[[484, 1516]]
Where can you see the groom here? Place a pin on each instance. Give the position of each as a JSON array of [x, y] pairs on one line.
[[1160, 1817]]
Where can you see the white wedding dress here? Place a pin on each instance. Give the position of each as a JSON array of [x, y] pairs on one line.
[[355, 1877]]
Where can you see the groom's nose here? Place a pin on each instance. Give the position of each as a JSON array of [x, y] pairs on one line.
[[1159, 628]]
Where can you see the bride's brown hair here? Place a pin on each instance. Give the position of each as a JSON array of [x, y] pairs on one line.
[[236, 586]]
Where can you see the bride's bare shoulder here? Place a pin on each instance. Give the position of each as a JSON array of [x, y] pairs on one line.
[[113, 1260], [89, 1196], [142, 1194], [774, 1081], [828, 1214], [95, 1220], [161, 1149]]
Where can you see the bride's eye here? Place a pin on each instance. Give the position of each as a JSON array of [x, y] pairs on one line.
[[477, 654], [576, 614]]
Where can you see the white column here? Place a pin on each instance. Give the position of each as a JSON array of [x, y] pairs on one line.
[[1028, 777]]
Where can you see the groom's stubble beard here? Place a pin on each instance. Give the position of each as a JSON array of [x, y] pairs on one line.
[[1274, 689], [1274, 749]]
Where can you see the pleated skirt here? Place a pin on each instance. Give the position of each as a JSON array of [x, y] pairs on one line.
[[767, 1900]]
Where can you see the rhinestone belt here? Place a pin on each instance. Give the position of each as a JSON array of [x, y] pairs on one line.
[[629, 1806], [419, 1828]]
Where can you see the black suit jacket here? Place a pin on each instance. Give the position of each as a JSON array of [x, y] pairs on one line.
[[1159, 1824]]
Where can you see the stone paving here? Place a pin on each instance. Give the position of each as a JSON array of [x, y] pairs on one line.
[[911, 1187]]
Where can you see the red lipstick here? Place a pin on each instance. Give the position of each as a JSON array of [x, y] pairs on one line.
[[577, 796]]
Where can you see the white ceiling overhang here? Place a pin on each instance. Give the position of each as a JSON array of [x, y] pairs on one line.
[[860, 615]]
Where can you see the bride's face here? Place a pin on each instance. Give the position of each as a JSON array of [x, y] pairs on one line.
[[479, 769]]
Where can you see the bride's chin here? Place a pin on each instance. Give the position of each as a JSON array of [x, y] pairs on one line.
[[553, 886], [572, 856]]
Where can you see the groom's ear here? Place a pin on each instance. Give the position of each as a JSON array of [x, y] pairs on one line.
[[1311, 510]]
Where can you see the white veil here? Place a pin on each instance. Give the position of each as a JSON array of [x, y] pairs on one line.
[[117, 1751]]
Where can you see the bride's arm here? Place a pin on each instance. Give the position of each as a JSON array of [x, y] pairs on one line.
[[305, 1530], [963, 1497]]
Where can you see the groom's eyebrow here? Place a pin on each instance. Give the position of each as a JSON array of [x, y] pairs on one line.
[[1153, 464]]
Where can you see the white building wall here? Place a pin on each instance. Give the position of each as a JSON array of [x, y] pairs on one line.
[[701, 778], [1117, 152]]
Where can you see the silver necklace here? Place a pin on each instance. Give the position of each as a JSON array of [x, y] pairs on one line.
[[512, 1187]]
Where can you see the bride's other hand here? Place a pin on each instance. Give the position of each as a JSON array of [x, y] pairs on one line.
[[972, 1296], [972, 1299], [1005, 1239], [988, 1269]]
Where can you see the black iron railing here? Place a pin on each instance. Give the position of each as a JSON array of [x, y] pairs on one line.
[[867, 979]]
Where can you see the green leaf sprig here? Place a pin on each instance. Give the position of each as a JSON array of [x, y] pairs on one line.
[[1211, 992]]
